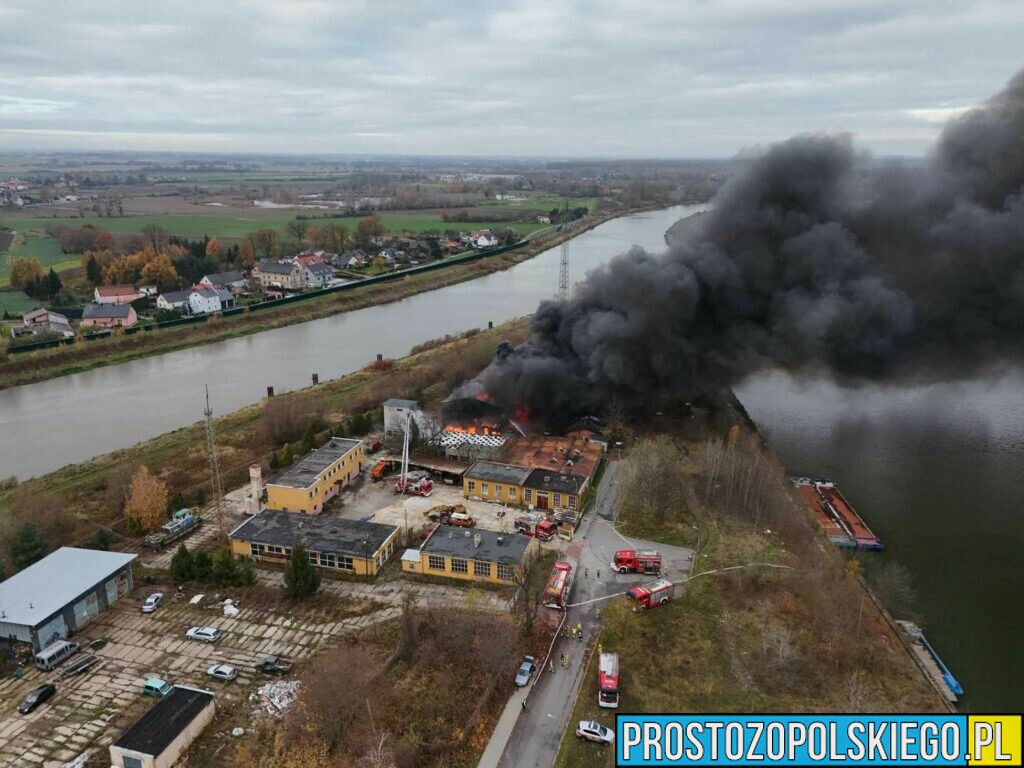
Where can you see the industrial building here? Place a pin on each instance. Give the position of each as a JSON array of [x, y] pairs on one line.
[[396, 414], [317, 477], [352, 546], [544, 489], [476, 555], [159, 737], [491, 481], [60, 594]]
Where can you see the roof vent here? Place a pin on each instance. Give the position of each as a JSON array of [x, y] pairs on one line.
[[547, 478], [477, 539], [501, 540]]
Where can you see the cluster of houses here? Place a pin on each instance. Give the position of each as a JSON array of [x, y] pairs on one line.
[[303, 271]]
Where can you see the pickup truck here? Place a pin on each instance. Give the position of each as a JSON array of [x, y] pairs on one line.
[[273, 665]]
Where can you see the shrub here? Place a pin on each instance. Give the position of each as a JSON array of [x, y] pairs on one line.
[[181, 565], [301, 578]]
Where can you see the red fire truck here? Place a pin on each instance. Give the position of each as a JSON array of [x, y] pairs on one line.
[[650, 595], [556, 593], [608, 680], [637, 561], [544, 530]]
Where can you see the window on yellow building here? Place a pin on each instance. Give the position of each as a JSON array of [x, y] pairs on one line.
[[505, 571], [528, 495], [328, 560], [345, 563], [314, 557], [471, 486], [497, 491], [484, 489], [435, 563], [511, 493], [481, 569], [459, 565], [572, 502]]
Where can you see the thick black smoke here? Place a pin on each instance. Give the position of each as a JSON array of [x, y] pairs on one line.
[[813, 259]]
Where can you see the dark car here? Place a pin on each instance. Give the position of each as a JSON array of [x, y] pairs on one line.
[[36, 697]]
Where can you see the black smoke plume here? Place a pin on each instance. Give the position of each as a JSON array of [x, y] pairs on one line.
[[814, 259]]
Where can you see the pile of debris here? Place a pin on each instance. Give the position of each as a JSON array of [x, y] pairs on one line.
[[275, 698]]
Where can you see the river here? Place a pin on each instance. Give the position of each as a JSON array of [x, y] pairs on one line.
[[45, 425], [932, 469]]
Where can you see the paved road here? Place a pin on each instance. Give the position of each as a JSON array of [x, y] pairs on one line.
[[538, 730]]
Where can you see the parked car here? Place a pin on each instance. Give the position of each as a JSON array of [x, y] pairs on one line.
[[273, 665], [223, 672], [156, 687], [525, 671], [153, 602], [35, 697], [591, 731], [203, 634]]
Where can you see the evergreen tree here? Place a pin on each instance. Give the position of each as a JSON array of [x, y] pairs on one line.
[[93, 273], [27, 546], [53, 284], [287, 457], [202, 566], [246, 573], [275, 463], [224, 572], [308, 439], [301, 578], [100, 540], [181, 565], [176, 502]]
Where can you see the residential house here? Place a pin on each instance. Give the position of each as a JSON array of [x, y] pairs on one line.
[[109, 316], [116, 294], [278, 274], [484, 238], [317, 477], [227, 299], [148, 290], [203, 301], [232, 280], [336, 543], [306, 258], [477, 555], [353, 259], [318, 274], [389, 255], [543, 218], [43, 322], [174, 301]]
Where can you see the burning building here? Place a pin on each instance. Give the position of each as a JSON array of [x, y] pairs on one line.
[[474, 427]]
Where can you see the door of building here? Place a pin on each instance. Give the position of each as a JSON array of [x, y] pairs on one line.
[[542, 501]]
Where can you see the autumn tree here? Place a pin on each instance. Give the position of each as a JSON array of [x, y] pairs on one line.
[[104, 241], [213, 248], [368, 229], [246, 253], [155, 236], [147, 500], [23, 271], [265, 242], [161, 273]]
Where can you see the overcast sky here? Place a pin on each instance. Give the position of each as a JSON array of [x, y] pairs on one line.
[[678, 78]]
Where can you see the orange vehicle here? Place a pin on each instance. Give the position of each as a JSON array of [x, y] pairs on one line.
[[380, 469]]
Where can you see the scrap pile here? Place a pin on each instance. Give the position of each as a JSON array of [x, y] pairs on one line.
[[275, 698]]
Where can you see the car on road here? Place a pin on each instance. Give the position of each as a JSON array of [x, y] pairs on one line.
[[35, 697], [223, 672], [203, 634], [153, 602], [591, 731], [156, 687], [525, 671]]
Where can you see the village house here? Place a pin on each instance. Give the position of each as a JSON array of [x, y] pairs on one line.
[[318, 275], [43, 322], [203, 301], [232, 280], [278, 274], [109, 316], [148, 290], [116, 294], [388, 255], [306, 258], [351, 546], [352, 259], [477, 555], [317, 477], [174, 301], [483, 238]]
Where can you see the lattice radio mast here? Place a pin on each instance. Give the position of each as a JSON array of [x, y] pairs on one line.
[[563, 273], [211, 450]]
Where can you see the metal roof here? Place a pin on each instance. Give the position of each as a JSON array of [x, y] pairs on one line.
[[36, 593]]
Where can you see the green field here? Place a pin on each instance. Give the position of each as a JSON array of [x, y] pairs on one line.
[[239, 224], [16, 303], [43, 248]]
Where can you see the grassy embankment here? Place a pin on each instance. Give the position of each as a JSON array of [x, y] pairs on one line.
[[682, 228], [50, 363], [755, 639], [75, 501]]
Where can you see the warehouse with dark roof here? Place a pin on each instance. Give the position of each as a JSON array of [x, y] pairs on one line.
[[159, 737]]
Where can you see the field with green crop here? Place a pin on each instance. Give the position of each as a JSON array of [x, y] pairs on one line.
[[16, 302], [43, 248], [219, 223]]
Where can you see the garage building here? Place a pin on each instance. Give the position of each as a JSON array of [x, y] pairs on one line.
[[161, 735], [60, 594]]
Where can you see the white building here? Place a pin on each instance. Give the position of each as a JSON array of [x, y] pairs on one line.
[[174, 300], [318, 275], [203, 301]]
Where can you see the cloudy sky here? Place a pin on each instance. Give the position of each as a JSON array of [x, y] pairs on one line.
[[678, 78]]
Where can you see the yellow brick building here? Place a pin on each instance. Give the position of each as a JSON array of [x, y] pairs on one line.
[[492, 481], [317, 477], [333, 543], [471, 555]]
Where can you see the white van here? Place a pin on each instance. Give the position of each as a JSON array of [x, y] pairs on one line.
[[54, 654]]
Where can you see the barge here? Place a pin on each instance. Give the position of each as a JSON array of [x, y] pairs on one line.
[[836, 516], [929, 660]]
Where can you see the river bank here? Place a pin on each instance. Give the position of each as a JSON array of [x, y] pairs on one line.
[[30, 367]]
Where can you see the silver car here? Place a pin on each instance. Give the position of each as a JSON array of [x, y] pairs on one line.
[[591, 731], [223, 672], [153, 602], [525, 671], [203, 634]]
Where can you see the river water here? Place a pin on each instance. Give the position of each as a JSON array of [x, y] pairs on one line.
[[46, 425], [933, 469]]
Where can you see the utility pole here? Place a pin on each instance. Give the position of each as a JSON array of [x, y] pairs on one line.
[[563, 273], [211, 450]]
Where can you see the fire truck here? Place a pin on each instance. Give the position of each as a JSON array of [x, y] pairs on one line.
[[556, 593], [543, 530], [423, 487], [637, 561], [650, 595], [608, 680]]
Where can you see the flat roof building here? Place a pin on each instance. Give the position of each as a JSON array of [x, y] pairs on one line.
[[317, 477], [352, 546], [476, 555], [159, 737], [60, 594]]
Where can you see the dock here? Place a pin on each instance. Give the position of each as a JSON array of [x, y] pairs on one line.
[[836, 516], [941, 678]]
